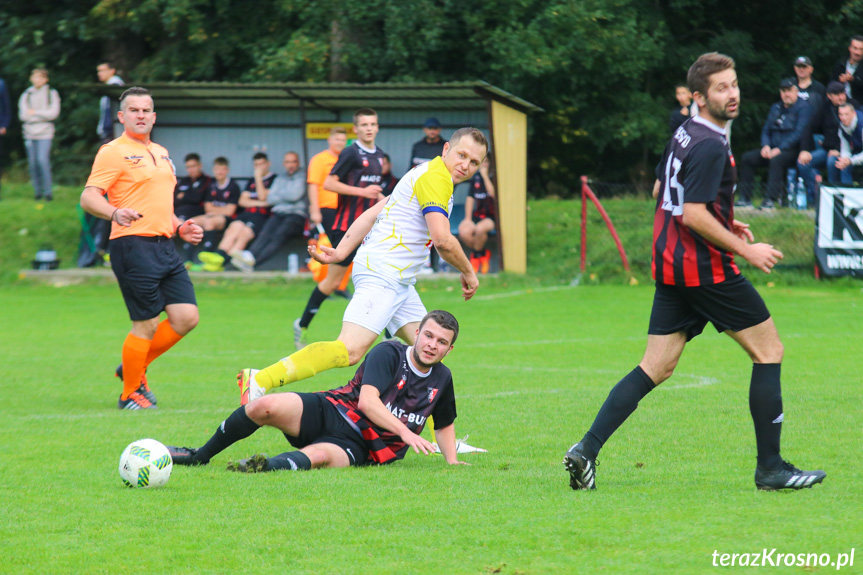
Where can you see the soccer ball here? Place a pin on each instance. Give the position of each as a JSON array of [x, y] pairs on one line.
[[145, 463]]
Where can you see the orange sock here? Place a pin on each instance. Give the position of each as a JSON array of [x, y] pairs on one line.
[[134, 357], [163, 340]]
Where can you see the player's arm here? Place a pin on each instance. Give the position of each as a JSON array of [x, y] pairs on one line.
[[314, 204], [352, 238], [247, 201], [483, 172], [371, 405], [446, 442], [188, 230], [698, 219], [450, 250], [333, 184], [655, 189]]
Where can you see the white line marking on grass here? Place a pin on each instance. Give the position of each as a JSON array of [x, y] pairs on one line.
[[521, 292]]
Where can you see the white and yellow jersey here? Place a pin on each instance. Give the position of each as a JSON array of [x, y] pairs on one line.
[[399, 244]]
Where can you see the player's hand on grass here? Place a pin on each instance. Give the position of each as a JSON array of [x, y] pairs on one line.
[[327, 255], [763, 256], [469, 285], [419, 444], [742, 231], [191, 232]]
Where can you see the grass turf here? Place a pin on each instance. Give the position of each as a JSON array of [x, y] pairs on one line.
[[531, 368]]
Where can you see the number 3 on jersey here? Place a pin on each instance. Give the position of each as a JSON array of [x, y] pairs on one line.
[[672, 194]]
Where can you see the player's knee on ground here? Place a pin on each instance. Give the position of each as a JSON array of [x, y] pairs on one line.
[[270, 409]]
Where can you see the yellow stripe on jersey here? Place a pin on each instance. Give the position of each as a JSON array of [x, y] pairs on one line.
[[433, 189]]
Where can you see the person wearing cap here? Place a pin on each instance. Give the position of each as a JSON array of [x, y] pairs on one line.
[[820, 139], [780, 144], [808, 89], [848, 70], [430, 147]]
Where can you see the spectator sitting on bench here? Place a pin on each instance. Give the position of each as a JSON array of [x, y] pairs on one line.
[[220, 203], [289, 210], [478, 219], [190, 190], [249, 222], [840, 169]]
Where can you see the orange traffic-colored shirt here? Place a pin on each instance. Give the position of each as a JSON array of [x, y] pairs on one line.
[[137, 176], [319, 168]]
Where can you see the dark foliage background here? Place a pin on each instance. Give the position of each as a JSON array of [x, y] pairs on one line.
[[604, 71]]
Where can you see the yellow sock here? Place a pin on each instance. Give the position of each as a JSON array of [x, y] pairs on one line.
[[308, 362]]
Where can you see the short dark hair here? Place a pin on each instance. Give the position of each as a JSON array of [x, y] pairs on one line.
[[698, 77], [857, 37], [192, 156], [108, 63], [474, 133], [444, 319], [363, 112], [260, 156], [135, 91], [846, 105], [387, 158], [221, 161]]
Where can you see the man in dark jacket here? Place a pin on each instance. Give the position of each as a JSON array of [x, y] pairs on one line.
[[821, 137], [849, 72], [780, 144]]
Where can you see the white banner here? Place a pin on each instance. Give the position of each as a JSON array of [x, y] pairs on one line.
[[838, 235]]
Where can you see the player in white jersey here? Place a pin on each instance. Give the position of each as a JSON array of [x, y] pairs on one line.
[[399, 233]]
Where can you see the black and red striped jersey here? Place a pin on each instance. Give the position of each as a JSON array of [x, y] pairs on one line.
[[483, 206], [408, 394], [697, 167], [252, 188], [358, 167]]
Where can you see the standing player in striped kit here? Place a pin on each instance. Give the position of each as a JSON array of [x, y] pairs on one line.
[[695, 238]]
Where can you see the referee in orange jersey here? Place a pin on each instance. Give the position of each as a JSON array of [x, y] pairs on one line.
[[138, 177]]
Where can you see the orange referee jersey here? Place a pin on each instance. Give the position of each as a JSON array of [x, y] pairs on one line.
[[319, 168], [140, 177]]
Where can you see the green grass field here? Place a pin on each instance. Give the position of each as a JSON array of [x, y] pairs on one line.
[[531, 368]]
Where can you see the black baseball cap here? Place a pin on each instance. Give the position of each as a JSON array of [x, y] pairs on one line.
[[786, 83], [835, 87], [431, 123], [802, 61]]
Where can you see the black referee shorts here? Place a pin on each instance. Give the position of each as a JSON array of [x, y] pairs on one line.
[[335, 237], [322, 423], [151, 275], [731, 305]]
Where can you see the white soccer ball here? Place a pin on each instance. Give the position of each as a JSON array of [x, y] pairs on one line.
[[145, 463]]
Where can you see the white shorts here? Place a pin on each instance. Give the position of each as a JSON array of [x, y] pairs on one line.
[[378, 303]]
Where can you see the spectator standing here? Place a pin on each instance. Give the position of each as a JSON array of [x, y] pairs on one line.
[[823, 128], [38, 107], [840, 168], [431, 146], [107, 74], [808, 89], [288, 199], [849, 72], [322, 202], [137, 176], [683, 111], [780, 145], [191, 189], [5, 117]]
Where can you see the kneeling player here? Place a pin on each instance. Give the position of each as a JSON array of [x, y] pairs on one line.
[[375, 418]]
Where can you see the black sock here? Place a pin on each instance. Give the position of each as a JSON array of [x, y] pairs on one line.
[[238, 426], [621, 402], [292, 461], [315, 301], [765, 405], [225, 255]]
